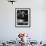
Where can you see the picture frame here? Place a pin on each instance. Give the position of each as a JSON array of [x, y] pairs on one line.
[[22, 17]]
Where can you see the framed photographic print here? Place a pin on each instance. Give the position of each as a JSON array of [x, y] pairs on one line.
[[22, 17]]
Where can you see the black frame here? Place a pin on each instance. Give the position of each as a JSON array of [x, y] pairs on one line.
[[29, 17]]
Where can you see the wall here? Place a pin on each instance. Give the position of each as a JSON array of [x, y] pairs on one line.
[[8, 31]]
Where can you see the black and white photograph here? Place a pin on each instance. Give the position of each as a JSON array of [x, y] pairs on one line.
[[22, 17]]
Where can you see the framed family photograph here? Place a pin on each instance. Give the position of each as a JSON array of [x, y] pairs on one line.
[[22, 17]]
